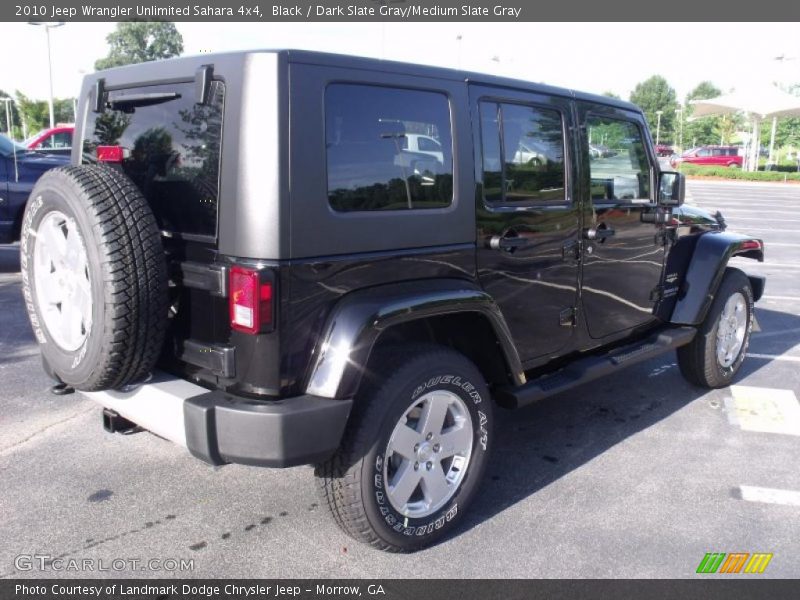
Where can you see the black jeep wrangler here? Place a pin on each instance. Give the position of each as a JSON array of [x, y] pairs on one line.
[[281, 258]]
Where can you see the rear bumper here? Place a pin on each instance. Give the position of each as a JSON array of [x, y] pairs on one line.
[[221, 428]]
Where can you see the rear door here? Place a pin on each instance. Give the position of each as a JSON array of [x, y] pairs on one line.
[[623, 249], [527, 218]]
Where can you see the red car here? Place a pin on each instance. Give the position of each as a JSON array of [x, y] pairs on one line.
[[664, 150], [719, 156], [53, 140]]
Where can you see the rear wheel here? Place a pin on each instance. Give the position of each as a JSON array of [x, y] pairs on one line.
[[718, 350], [414, 450]]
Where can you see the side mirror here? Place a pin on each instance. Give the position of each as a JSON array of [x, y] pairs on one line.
[[671, 188]]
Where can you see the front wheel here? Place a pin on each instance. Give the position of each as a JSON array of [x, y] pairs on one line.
[[718, 350], [414, 451]]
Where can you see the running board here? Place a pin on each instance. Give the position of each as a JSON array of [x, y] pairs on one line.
[[593, 367]]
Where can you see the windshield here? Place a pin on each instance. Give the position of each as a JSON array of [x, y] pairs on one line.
[[8, 146]]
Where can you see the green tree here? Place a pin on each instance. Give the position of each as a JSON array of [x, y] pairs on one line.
[[787, 133], [35, 114], [109, 127], [708, 130], [610, 94], [656, 94], [701, 130], [14, 117], [139, 41]]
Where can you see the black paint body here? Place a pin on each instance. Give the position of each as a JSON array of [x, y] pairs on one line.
[[517, 312]]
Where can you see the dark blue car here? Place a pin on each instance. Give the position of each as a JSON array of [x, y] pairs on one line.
[[19, 170]]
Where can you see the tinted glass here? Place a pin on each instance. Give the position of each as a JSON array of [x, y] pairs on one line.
[[526, 162], [490, 147], [371, 165], [171, 150], [618, 160], [427, 144]]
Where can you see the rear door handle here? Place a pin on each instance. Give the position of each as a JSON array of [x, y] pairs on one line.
[[598, 233], [506, 243]]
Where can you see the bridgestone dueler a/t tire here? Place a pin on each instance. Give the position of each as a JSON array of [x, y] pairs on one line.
[[698, 360], [126, 269], [353, 483]]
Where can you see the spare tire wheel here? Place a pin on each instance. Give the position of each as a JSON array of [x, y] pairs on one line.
[[94, 277]]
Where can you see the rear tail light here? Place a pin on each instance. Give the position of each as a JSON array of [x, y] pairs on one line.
[[250, 300], [750, 245], [110, 154]]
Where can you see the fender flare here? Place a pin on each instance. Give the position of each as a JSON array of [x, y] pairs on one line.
[[706, 269], [358, 319]]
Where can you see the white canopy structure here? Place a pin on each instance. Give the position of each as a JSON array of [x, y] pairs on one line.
[[762, 102]]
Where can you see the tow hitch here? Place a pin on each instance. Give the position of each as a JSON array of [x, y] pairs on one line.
[[113, 422]]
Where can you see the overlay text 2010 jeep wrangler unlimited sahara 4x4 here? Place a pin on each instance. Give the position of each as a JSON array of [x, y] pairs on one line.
[[248, 259]]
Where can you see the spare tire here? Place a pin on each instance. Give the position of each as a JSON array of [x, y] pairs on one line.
[[94, 277]]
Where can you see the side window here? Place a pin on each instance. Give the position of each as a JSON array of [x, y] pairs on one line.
[[46, 142], [704, 153], [62, 140], [427, 144], [523, 153], [618, 161], [371, 165]]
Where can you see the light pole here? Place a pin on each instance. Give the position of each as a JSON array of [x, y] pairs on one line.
[[8, 118], [658, 125], [47, 28], [679, 114], [782, 59]]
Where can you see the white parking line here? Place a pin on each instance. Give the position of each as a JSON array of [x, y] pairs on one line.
[[771, 230], [760, 219], [742, 262], [774, 357], [781, 332], [790, 298], [765, 410], [713, 205], [761, 212], [753, 493], [755, 184]]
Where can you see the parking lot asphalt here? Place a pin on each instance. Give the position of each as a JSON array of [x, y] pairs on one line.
[[635, 475]]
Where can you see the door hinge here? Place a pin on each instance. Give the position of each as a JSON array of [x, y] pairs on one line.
[[657, 293], [571, 250], [568, 317]]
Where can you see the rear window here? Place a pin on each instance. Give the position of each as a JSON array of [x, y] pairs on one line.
[[170, 148]]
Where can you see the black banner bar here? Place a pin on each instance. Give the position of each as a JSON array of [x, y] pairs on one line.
[[263, 11]]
